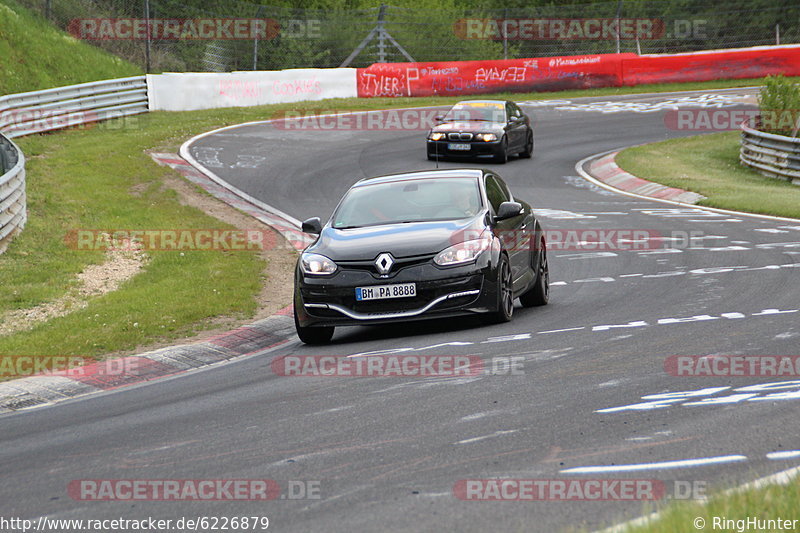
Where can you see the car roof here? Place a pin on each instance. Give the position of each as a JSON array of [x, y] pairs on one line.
[[482, 102], [423, 174]]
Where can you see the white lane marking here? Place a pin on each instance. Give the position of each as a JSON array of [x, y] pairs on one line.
[[484, 437], [559, 214], [560, 330], [770, 245], [664, 465], [588, 255], [630, 275], [506, 338], [632, 324], [477, 416], [788, 454], [730, 315], [664, 400]]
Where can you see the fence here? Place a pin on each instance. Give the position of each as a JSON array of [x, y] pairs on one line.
[[772, 155], [51, 109], [421, 31]]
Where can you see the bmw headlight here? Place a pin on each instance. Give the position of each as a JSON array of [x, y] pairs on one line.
[[316, 264], [487, 137], [464, 252], [436, 136]]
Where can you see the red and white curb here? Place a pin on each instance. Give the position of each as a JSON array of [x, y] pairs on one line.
[[606, 170], [39, 390]]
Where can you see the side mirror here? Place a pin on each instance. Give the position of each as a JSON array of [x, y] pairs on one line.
[[508, 210], [438, 118], [312, 225]]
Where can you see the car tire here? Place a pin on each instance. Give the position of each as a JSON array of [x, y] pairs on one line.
[[320, 335], [505, 294], [539, 294], [502, 155], [528, 152]]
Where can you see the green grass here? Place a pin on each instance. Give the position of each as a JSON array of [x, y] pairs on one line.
[[709, 165], [35, 55], [771, 502], [84, 178]]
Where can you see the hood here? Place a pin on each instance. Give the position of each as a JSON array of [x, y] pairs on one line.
[[400, 240], [473, 126]]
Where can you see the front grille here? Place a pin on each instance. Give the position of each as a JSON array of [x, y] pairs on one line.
[[459, 136], [427, 291], [399, 264]]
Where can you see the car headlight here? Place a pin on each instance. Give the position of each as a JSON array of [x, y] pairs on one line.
[[487, 137], [463, 252], [436, 136], [317, 265]]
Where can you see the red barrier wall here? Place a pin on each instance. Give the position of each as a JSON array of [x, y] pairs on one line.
[[716, 65], [572, 72], [476, 77]]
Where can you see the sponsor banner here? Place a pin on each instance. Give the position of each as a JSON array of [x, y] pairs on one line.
[[572, 72], [755, 62], [475, 77], [733, 365]]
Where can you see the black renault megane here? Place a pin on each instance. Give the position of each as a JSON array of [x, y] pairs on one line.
[[418, 245], [481, 129]]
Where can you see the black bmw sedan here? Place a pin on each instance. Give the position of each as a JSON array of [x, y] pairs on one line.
[[425, 244], [482, 129]]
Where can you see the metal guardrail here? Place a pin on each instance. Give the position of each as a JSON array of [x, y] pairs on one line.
[[12, 191], [53, 109], [775, 156]]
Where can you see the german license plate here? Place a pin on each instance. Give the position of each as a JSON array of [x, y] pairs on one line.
[[382, 292], [458, 146]]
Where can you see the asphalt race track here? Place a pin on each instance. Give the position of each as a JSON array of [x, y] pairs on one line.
[[386, 453]]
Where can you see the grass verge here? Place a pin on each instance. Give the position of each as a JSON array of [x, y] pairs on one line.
[[100, 178], [709, 165], [36, 55], [771, 502]]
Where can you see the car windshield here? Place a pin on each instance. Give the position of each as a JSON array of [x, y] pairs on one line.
[[480, 111], [419, 200]]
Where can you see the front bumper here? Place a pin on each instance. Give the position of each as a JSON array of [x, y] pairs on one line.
[[441, 292], [477, 149]]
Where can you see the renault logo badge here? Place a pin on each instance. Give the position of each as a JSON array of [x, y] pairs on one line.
[[384, 263]]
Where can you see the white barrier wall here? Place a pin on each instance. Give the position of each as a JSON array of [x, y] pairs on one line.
[[190, 91]]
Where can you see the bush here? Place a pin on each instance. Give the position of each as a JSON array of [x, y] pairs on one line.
[[780, 106]]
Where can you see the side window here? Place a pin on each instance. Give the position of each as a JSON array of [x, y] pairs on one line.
[[496, 192], [504, 188], [514, 110]]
